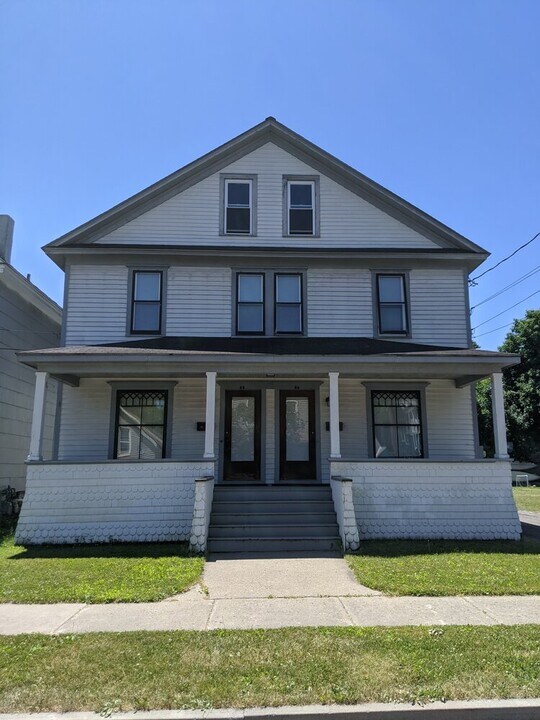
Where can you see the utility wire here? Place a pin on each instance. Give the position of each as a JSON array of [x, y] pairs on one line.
[[495, 330], [473, 280], [508, 287], [507, 309]]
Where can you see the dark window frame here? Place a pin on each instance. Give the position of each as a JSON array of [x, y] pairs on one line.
[[146, 271], [406, 332], [118, 393], [238, 302], [301, 179], [300, 303], [239, 177], [421, 424], [238, 181]]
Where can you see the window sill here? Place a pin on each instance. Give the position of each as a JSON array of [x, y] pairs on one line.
[[300, 235]]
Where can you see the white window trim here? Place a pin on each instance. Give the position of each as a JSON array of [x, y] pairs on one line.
[[311, 183]]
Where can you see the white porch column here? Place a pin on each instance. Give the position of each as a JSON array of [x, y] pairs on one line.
[[335, 449], [209, 453], [499, 424], [38, 418]]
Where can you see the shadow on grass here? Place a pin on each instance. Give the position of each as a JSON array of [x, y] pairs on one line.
[[404, 548]]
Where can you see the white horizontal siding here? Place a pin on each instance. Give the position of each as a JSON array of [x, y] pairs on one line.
[[339, 302], [438, 307], [199, 301], [85, 421], [192, 217], [450, 420], [22, 327], [97, 301]]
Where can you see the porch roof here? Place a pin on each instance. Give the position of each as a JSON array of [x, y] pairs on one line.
[[268, 357]]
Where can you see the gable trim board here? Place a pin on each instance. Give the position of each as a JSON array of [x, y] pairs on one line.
[[268, 131]]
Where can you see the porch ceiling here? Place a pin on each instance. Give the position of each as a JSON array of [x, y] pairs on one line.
[[69, 364]]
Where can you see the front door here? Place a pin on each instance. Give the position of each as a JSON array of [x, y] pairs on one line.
[[242, 451], [297, 435]]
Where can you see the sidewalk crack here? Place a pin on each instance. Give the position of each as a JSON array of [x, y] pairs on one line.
[[347, 613], [492, 617], [71, 617]]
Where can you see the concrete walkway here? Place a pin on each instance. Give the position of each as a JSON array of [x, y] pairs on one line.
[[530, 523], [270, 593]]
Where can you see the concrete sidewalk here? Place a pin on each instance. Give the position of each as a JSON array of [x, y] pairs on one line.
[[530, 523], [195, 611]]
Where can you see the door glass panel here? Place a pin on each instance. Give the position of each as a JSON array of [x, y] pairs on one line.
[[242, 429], [297, 429]]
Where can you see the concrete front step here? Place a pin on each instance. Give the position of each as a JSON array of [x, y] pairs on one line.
[[229, 532], [271, 545], [286, 506], [277, 517], [272, 492]]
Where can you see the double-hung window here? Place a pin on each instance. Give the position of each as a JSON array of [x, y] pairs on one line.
[[288, 303], [397, 424], [146, 311], [269, 302], [238, 207], [250, 304], [301, 207], [392, 305], [140, 424]]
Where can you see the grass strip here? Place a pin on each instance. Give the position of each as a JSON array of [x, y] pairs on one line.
[[527, 498], [130, 572], [468, 567], [105, 672]]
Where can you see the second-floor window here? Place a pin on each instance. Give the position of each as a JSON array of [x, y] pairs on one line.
[[269, 303], [238, 207], [146, 302], [301, 207], [392, 305], [250, 304], [288, 303]]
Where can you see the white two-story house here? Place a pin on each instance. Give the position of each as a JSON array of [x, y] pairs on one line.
[[268, 349]]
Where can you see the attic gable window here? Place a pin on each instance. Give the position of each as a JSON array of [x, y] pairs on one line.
[[238, 206], [300, 206]]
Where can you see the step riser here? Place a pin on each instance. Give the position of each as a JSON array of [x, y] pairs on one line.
[[315, 518], [273, 545], [272, 531], [237, 507], [277, 493]]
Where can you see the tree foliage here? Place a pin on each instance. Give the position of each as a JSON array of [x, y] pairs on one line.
[[521, 392]]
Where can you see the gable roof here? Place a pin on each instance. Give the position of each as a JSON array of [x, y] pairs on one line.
[[270, 130]]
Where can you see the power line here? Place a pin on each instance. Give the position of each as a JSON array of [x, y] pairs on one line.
[[509, 287], [507, 309], [495, 330], [474, 279]]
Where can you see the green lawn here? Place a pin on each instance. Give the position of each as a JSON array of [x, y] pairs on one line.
[[527, 498], [106, 672], [402, 567], [94, 573]]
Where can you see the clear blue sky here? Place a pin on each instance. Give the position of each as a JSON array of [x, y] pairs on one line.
[[438, 100]]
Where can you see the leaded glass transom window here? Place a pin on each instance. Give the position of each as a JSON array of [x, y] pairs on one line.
[[140, 424], [397, 424]]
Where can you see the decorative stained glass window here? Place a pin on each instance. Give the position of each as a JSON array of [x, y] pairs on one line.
[[140, 424], [397, 424]]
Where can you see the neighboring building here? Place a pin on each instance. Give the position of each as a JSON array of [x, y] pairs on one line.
[[28, 320], [271, 318]]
